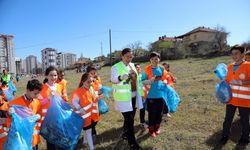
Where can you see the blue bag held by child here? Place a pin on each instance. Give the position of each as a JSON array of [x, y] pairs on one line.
[[221, 71], [12, 86], [61, 125], [9, 94], [223, 92], [105, 90], [21, 129], [102, 106], [170, 97]]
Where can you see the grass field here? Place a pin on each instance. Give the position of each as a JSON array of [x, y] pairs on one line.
[[196, 125]]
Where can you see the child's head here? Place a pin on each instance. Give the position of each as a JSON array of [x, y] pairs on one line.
[[61, 74], [166, 66], [92, 71], [50, 75], [237, 53], [154, 58], [247, 56], [4, 83], [138, 68], [33, 88], [85, 81]]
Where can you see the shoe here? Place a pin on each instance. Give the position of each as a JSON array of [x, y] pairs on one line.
[[135, 147], [243, 142], [223, 140], [124, 136], [152, 134], [168, 115], [144, 125], [158, 131]]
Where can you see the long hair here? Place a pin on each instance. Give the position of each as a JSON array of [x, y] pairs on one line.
[[47, 71], [83, 79]]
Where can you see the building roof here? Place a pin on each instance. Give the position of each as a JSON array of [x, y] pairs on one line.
[[199, 29]]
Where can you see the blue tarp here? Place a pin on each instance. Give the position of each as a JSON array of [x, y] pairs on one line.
[[21, 129], [61, 125], [9, 94]]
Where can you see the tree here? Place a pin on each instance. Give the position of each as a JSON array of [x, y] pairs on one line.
[[246, 45], [221, 37]]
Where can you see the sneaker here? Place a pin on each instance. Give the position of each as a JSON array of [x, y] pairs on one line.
[[168, 115], [152, 134], [144, 125], [223, 140], [243, 142], [124, 136], [158, 131], [135, 147]]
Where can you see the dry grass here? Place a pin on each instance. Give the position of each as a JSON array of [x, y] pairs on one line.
[[196, 125]]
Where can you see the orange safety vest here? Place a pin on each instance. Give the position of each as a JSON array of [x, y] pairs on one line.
[[89, 103], [35, 106], [149, 72], [3, 91], [63, 83], [171, 79], [45, 97], [240, 93]]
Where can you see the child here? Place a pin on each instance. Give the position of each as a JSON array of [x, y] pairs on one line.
[[155, 74], [238, 77], [50, 88], [85, 103], [171, 80], [142, 110], [63, 83], [29, 99], [247, 56]]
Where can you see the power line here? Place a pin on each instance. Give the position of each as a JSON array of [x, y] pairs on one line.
[[62, 40]]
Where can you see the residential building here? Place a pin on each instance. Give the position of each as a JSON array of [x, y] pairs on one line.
[[18, 66], [7, 53], [23, 66], [200, 34], [48, 58], [70, 59], [31, 64]]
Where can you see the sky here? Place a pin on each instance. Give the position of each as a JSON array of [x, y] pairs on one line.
[[82, 26]]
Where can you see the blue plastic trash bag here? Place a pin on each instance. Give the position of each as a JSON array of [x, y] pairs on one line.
[[105, 90], [9, 94], [170, 97], [102, 106], [12, 86], [61, 125], [223, 92], [221, 71], [21, 129]]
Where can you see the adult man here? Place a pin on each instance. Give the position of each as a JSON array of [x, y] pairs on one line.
[[5, 76], [127, 94]]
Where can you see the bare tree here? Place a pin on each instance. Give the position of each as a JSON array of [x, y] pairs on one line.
[[221, 37], [136, 47]]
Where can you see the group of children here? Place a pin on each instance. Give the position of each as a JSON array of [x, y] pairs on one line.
[[38, 97], [84, 99]]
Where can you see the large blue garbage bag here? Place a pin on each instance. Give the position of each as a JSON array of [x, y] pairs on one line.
[[12, 86], [223, 92], [105, 90], [61, 125], [102, 106], [221, 71], [170, 97], [21, 129], [9, 94]]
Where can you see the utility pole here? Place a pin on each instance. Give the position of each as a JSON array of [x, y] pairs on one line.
[[110, 48], [101, 50]]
